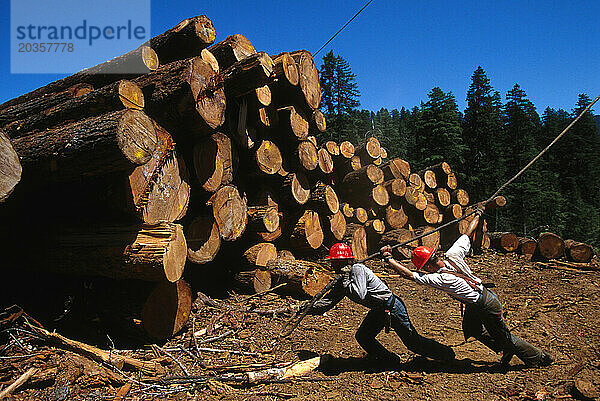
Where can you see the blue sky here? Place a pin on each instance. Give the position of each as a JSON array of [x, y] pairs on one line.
[[401, 50]]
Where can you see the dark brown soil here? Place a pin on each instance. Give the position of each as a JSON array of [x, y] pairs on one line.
[[557, 310]]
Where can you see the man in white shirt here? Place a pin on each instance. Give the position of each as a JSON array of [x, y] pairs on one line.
[[483, 313]]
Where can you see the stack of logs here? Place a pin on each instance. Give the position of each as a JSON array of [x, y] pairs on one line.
[[548, 246], [209, 157]]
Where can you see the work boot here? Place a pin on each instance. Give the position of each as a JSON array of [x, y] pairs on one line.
[[506, 357], [546, 360]]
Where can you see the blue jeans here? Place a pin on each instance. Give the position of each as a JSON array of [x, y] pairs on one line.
[[374, 322]]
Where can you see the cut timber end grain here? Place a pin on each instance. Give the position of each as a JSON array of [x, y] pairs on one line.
[[208, 57], [526, 246], [396, 168], [307, 234], [208, 164], [397, 236], [346, 149], [396, 187], [356, 238], [380, 195], [289, 117], [347, 210], [231, 50], [203, 239], [10, 168], [307, 155], [309, 78], [504, 241], [136, 136], [246, 75], [184, 40], [365, 177], [384, 153], [415, 181], [361, 215], [578, 251], [254, 281], [431, 240], [318, 122], [168, 196], [395, 216], [442, 197], [210, 100], [452, 183], [259, 255], [332, 148], [263, 218], [369, 151], [263, 95], [428, 178], [302, 278], [167, 309], [230, 212], [285, 68], [461, 197], [325, 161], [268, 157], [296, 188], [324, 199], [550, 246], [337, 226], [431, 214]]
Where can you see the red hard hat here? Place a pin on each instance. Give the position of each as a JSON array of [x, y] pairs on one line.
[[420, 255], [340, 251]]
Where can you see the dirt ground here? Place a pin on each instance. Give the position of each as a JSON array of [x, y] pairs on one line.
[[557, 310]]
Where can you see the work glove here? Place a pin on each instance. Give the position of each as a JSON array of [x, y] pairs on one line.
[[386, 252]]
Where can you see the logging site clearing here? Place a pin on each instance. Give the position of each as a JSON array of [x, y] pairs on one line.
[[554, 307]]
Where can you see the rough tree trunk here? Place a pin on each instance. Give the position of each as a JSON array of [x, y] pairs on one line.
[[10, 168]]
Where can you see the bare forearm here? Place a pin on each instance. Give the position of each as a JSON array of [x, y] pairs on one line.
[[401, 269], [472, 226]]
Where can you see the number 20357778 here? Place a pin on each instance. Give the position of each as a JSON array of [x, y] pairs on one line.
[[45, 47]]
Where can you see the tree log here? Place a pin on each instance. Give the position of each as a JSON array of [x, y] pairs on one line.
[[268, 157], [203, 239], [167, 309], [442, 197], [263, 218], [346, 150], [325, 161], [186, 39], [230, 212], [461, 197], [307, 155], [356, 238], [10, 168], [366, 177], [245, 76], [186, 84], [335, 227], [127, 66], [397, 236], [549, 246], [295, 189], [254, 281], [396, 168], [293, 126], [347, 210], [112, 142], [307, 234], [394, 215], [368, 151], [504, 241], [451, 182], [318, 122], [324, 200], [213, 161], [302, 278], [309, 78], [396, 187], [578, 251], [526, 246], [428, 177], [432, 240], [285, 69], [117, 96], [231, 50], [257, 256], [361, 215]]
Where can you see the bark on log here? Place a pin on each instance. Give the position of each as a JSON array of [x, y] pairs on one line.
[[203, 239], [549, 246], [127, 66], [185, 83], [578, 251], [504, 241], [356, 238], [307, 234], [10, 168], [186, 39], [366, 177], [374, 229], [302, 278], [120, 95], [285, 70], [99, 145], [324, 200], [230, 212], [213, 161], [167, 309], [396, 168], [295, 189], [257, 256], [309, 78], [231, 50]]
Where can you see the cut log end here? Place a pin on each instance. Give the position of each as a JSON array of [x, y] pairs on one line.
[[203, 239], [167, 309], [131, 95], [10, 168], [136, 136]]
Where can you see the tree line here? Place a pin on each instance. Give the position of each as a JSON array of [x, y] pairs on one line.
[[486, 144]]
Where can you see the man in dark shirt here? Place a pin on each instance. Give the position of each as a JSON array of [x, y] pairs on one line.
[[362, 286]]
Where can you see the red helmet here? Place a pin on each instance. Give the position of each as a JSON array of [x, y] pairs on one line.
[[340, 251], [420, 256]]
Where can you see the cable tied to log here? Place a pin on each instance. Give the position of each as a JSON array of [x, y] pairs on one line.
[[291, 325]]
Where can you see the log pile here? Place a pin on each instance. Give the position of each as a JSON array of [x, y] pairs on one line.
[[204, 154]]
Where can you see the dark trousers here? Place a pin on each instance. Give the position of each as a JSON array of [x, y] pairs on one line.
[[484, 321], [374, 322]]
